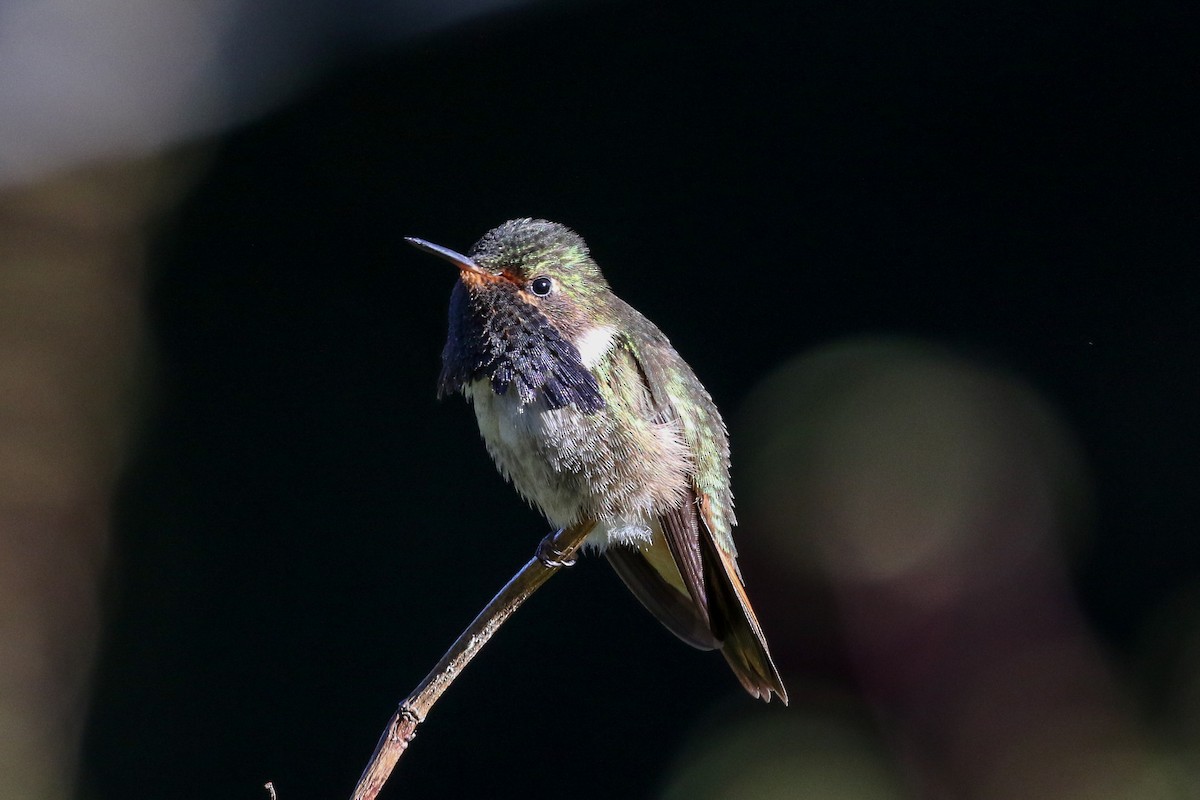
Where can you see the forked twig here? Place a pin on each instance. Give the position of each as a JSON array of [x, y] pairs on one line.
[[556, 551]]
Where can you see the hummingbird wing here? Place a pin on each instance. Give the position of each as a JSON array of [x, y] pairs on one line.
[[660, 589], [666, 575], [701, 589]]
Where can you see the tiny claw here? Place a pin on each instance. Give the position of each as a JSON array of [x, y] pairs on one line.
[[551, 556]]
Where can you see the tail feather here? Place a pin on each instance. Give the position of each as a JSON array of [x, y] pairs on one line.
[[726, 619], [743, 643]]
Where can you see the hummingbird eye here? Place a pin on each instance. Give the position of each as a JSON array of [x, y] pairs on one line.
[[541, 286]]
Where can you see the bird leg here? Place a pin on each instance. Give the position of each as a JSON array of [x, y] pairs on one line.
[[551, 556]]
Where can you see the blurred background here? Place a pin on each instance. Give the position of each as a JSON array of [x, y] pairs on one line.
[[936, 262]]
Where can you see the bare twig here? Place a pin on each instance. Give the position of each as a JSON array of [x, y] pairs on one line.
[[556, 551]]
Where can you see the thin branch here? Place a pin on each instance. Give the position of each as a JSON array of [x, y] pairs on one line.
[[556, 551]]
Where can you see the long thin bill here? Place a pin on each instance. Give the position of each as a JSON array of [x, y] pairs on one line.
[[454, 257]]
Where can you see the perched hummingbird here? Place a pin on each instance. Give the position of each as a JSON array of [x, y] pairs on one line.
[[588, 410]]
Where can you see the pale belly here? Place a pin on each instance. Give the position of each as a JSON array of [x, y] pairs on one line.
[[574, 467]]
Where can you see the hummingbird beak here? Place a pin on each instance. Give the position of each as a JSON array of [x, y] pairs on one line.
[[457, 259]]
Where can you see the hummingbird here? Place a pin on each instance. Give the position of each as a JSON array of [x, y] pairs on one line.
[[592, 415]]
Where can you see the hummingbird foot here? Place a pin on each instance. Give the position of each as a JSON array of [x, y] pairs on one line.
[[550, 555]]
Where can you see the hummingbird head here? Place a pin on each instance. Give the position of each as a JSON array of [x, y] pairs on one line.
[[528, 298], [548, 260]]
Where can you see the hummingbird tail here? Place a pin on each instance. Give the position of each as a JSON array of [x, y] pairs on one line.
[[722, 617], [743, 643]]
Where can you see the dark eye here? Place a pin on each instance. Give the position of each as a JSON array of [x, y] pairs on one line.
[[541, 286]]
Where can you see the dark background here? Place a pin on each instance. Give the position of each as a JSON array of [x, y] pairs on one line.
[[305, 528]]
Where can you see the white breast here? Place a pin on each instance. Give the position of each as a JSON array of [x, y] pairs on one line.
[[514, 435], [551, 457]]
